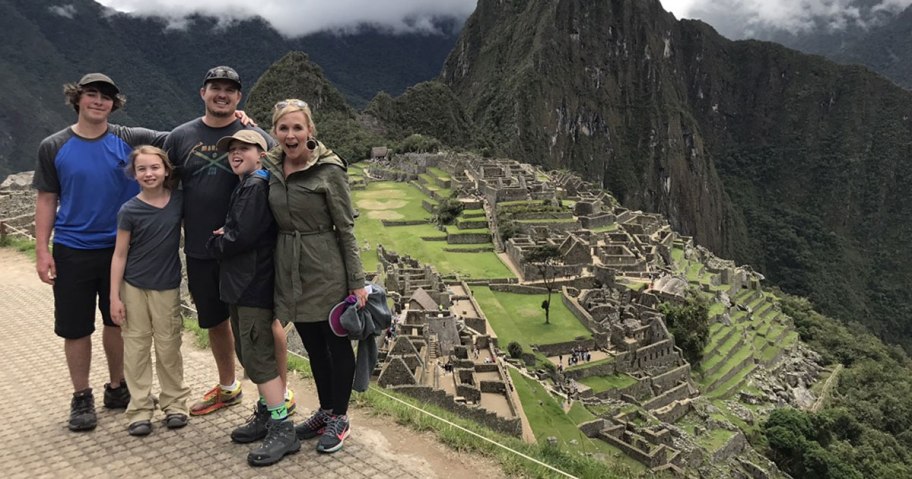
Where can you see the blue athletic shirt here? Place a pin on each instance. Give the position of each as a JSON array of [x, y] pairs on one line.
[[89, 179]]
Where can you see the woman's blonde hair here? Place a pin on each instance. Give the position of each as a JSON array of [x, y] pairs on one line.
[[292, 105], [130, 169]]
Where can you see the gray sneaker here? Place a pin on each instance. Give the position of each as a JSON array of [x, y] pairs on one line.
[[82, 411], [313, 426], [334, 434], [280, 441], [255, 428]]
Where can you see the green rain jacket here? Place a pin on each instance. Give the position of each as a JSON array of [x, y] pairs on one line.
[[316, 258]]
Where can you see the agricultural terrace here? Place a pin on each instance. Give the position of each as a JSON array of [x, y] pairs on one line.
[[387, 200], [547, 417]]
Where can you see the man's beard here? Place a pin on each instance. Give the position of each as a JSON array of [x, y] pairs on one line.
[[219, 114]]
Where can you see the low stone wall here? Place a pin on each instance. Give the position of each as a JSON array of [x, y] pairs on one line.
[[468, 238], [517, 288], [470, 393], [733, 447], [530, 272], [427, 205], [403, 222], [596, 221], [677, 393], [639, 391], [565, 348], [512, 426], [472, 224], [670, 379], [600, 369], [480, 249], [672, 414], [580, 312], [390, 175], [496, 387], [746, 362]]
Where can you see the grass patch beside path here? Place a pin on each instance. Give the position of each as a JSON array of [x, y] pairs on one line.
[[21, 245], [547, 418], [519, 317]]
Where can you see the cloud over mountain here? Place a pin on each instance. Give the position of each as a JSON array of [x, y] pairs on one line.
[[745, 18], [300, 17]]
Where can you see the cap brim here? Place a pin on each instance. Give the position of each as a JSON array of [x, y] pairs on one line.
[[335, 319]]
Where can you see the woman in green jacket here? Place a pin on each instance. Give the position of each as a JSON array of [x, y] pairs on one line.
[[316, 261]]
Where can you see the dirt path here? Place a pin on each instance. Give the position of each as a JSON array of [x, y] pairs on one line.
[[377, 439]]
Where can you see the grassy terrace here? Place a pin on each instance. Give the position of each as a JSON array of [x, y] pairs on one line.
[[437, 172], [519, 317], [604, 383], [547, 418], [429, 182], [402, 202], [548, 220], [606, 228]]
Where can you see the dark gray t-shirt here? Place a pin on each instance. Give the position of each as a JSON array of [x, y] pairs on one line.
[[206, 178], [152, 262]]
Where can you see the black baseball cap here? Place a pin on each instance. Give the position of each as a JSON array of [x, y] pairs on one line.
[[222, 73], [101, 78]]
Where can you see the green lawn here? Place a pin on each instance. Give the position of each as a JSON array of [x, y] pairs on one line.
[[391, 201], [519, 317], [547, 418], [401, 201]]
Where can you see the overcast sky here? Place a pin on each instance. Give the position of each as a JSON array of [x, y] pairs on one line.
[[733, 18]]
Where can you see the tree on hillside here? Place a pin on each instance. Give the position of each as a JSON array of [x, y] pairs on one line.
[[545, 258], [689, 324], [447, 210]]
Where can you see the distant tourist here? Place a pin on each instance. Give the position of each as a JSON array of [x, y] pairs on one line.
[[81, 185], [208, 182], [245, 247], [317, 261], [145, 287]]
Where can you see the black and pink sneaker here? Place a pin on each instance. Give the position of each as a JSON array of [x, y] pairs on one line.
[[334, 434]]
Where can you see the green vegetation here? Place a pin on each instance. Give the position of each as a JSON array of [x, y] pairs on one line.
[[864, 428], [19, 244], [547, 418], [517, 317], [689, 324], [401, 202]]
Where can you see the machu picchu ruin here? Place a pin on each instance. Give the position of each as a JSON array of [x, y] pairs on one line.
[[611, 270]]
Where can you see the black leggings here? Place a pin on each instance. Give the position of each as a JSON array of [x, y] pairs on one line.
[[332, 362]]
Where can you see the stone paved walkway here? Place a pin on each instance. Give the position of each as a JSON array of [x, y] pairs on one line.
[[34, 403]]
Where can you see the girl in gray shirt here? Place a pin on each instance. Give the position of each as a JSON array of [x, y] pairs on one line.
[[145, 295]]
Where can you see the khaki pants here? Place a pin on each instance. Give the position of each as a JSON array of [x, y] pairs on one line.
[[153, 314]]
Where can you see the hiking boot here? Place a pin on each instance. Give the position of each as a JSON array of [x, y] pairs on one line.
[[82, 411], [337, 429], [313, 426], [290, 403], [216, 399], [116, 398], [255, 428], [280, 441]]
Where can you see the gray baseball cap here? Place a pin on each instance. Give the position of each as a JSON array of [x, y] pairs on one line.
[[90, 78]]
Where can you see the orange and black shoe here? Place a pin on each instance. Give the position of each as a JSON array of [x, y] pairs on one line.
[[217, 398]]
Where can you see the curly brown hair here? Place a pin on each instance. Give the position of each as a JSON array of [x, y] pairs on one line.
[[73, 93]]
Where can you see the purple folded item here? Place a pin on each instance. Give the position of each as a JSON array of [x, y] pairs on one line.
[[335, 316]]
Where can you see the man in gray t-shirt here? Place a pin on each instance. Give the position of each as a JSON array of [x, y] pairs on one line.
[[207, 182]]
